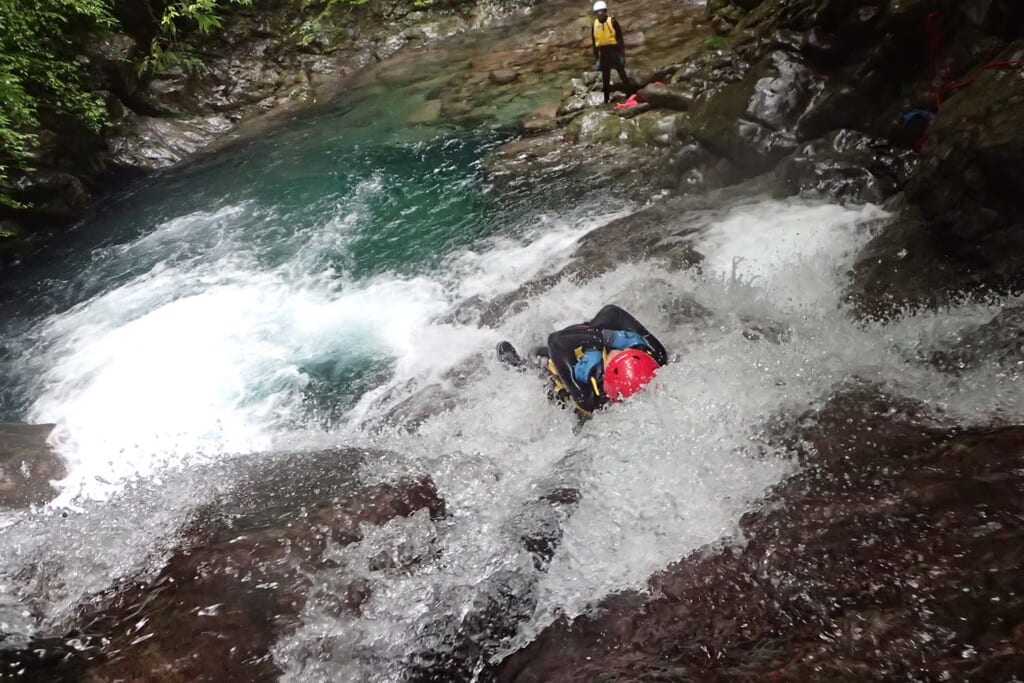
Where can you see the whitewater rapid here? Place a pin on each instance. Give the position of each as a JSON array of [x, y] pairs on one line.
[[661, 475], [203, 357]]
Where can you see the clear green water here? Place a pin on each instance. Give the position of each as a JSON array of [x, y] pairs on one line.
[[335, 202]]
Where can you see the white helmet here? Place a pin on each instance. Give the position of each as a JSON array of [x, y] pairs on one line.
[[600, 5]]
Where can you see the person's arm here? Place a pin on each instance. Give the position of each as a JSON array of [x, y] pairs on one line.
[[611, 317], [593, 42], [619, 37], [562, 346]]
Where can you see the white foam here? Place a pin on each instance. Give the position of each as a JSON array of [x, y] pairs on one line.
[[758, 243], [503, 263], [213, 372], [661, 475], [206, 358]]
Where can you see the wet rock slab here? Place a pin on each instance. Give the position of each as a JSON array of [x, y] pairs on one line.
[[158, 143], [27, 465], [236, 583], [896, 554], [846, 166], [466, 634]]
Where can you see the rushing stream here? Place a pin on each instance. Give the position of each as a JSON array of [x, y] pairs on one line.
[[286, 294]]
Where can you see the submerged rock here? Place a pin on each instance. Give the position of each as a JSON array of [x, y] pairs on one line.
[[645, 235], [684, 310], [542, 118], [472, 630], [893, 554], [503, 76], [428, 113], [634, 154], [426, 403], [662, 233], [766, 330], [431, 400], [27, 465], [239, 579], [999, 342]]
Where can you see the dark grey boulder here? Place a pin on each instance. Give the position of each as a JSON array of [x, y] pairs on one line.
[[752, 122], [675, 97], [52, 195], [846, 166]]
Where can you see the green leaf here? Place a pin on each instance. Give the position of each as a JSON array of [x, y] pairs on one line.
[[39, 73]]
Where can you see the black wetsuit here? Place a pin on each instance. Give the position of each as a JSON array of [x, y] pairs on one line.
[[611, 57], [568, 347]]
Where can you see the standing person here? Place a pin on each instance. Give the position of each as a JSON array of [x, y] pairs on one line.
[[609, 47], [594, 363]]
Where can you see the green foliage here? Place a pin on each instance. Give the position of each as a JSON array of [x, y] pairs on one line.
[[715, 43], [313, 28], [178, 18], [39, 74]]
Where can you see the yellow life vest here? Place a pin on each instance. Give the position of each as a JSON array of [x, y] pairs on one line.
[[604, 33]]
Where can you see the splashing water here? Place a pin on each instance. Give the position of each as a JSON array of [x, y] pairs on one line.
[[289, 296], [659, 476]]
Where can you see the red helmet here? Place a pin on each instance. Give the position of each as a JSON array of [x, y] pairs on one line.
[[627, 372]]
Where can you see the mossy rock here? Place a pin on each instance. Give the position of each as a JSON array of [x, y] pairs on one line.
[[655, 128], [596, 127]]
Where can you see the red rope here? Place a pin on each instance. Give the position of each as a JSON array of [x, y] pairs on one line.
[[998, 64], [933, 26]]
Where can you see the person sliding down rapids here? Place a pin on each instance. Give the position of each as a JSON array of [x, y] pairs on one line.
[[591, 364]]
